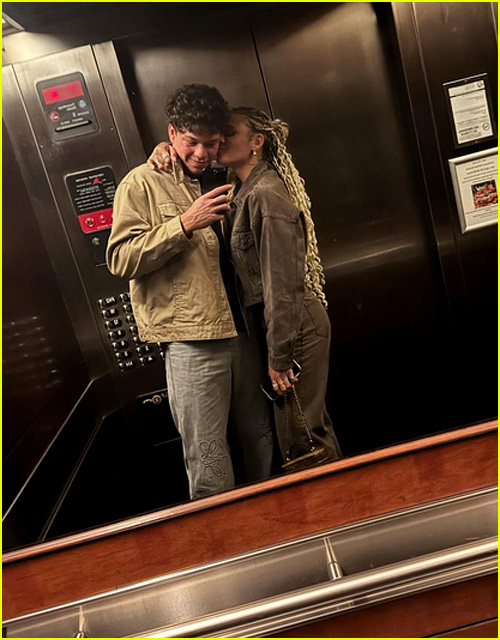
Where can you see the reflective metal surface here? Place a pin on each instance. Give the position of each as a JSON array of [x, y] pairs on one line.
[[58, 274], [351, 137], [40, 349], [214, 50], [391, 556], [403, 579], [468, 35]]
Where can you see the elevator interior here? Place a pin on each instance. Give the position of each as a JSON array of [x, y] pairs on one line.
[[88, 437]]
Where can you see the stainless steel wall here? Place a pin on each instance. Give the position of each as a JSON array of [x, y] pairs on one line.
[[439, 43], [42, 360], [352, 139], [334, 71]]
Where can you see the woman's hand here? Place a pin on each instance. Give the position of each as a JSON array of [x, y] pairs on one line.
[[162, 157], [282, 381]]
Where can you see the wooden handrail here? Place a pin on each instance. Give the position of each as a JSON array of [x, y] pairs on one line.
[[234, 495]]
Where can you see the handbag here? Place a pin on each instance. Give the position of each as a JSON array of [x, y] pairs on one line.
[[315, 456]]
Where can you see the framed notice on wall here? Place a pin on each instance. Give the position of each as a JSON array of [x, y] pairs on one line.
[[475, 182], [469, 107]]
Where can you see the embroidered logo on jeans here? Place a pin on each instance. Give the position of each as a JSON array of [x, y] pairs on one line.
[[214, 457]]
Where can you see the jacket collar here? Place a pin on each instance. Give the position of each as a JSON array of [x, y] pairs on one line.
[[180, 176], [250, 182]]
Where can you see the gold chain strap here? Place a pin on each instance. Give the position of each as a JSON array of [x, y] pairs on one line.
[[287, 423]]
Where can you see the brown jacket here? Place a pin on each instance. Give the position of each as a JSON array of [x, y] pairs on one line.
[[176, 286], [267, 244]]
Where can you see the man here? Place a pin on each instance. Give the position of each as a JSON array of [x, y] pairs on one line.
[[165, 240]]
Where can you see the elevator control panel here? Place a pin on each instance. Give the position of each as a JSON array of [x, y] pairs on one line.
[[55, 101], [92, 193], [119, 322], [67, 105]]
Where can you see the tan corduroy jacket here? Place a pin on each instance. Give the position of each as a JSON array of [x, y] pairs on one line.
[[176, 286]]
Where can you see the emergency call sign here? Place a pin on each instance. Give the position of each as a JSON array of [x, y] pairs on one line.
[[67, 105], [92, 193]]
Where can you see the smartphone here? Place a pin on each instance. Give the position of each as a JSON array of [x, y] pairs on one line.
[[267, 385], [213, 177]]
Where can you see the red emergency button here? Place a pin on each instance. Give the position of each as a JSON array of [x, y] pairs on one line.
[[93, 221]]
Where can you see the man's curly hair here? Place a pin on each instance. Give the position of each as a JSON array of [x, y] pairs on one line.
[[197, 106]]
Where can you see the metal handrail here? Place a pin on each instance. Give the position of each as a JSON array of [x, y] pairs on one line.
[[315, 577], [346, 587]]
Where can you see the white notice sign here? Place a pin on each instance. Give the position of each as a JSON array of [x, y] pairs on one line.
[[470, 111]]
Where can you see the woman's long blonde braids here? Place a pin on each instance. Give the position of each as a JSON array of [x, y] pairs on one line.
[[275, 152]]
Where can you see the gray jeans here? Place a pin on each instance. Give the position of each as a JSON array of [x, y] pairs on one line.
[[214, 388]]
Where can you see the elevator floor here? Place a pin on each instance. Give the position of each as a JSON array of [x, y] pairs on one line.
[[120, 477]]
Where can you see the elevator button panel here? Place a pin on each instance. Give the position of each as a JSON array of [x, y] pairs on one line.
[[128, 349], [67, 106]]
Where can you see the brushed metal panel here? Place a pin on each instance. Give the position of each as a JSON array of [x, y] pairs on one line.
[[119, 104], [214, 50], [44, 165], [48, 216], [333, 72], [351, 138], [466, 32], [40, 349], [58, 160]]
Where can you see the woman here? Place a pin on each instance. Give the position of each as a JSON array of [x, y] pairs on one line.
[[274, 250]]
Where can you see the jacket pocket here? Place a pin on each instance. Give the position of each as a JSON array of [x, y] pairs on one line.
[[245, 252], [171, 209], [246, 262]]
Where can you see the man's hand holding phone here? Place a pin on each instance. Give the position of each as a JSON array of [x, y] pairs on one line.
[[206, 209]]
